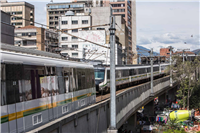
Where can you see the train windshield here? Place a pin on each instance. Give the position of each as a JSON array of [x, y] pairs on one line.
[[99, 74]]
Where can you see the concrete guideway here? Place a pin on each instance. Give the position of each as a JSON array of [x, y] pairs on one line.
[[95, 118]]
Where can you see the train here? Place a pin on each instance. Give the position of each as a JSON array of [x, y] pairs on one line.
[[37, 88], [125, 75]]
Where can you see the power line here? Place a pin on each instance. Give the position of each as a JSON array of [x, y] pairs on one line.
[[67, 33]]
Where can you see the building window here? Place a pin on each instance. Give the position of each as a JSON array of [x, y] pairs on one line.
[[118, 5], [119, 10], [64, 38], [16, 24], [75, 54], [64, 46], [100, 28], [66, 31], [16, 18], [16, 13], [50, 18], [74, 30], [74, 38], [56, 12], [64, 22], [74, 21], [74, 46], [56, 23], [85, 28], [84, 21], [50, 23], [56, 17], [29, 34]]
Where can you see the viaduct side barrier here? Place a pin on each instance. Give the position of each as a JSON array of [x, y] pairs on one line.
[[95, 118]]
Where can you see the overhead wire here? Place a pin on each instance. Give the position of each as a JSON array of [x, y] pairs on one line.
[[66, 33]]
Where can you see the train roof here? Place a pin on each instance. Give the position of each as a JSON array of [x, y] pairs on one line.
[[128, 66], [16, 54]]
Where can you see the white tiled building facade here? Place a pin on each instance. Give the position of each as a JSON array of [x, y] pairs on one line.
[[67, 41]]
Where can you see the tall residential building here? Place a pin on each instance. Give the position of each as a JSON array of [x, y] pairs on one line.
[[21, 12], [7, 30], [55, 10], [36, 38], [100, 16], [73, 21], [127, 9]]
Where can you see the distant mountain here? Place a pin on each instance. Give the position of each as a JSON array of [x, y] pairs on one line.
[[197, 51], [142, 51]]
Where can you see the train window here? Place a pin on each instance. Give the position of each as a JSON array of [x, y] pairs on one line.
[[79, 74], [141, 70], [60, 80], [83, 79], [149, 70], [14, 73], [156, 69], [132, 72], [118, 73], [66, 73], [92, 78], [108, 74], [88, 79]]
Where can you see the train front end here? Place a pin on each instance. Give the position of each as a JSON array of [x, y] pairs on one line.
[[99, 76]]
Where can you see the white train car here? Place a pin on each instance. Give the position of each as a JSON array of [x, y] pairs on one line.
[[36, 89], [125, 74]]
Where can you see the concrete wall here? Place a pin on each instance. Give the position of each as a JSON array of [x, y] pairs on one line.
[[95, 118]]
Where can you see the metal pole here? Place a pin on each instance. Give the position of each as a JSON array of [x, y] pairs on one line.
[[112, 75], [170, 62], [183, 56], [59, 34], [126, 55], [151, 58]]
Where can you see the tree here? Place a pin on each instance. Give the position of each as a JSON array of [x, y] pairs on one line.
[[186, 74]]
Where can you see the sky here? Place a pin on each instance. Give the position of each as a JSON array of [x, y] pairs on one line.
[[159, 23]]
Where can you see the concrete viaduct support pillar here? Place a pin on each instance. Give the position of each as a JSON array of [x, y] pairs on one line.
[[149, 108], [162, 99], [132, 123], [172, 94]]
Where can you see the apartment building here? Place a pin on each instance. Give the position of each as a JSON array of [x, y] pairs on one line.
[[21, 12], [7, 30], [55, 10], [100, 16], [127, 8], [36, 38], [73, 21]]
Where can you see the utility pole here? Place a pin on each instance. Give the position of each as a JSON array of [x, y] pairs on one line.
[[183, 56], [84, 54], [170, 62], [112, 128], [151, 58]]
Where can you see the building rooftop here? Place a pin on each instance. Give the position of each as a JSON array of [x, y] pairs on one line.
[[27, 27], [5, 3], [186, 52]]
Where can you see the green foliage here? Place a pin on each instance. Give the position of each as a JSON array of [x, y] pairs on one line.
[[173, 124], [175, 131], [186, 75], [195, 98]]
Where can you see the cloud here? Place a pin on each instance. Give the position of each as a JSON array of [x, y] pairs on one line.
[[166, 38], [143, 40]]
